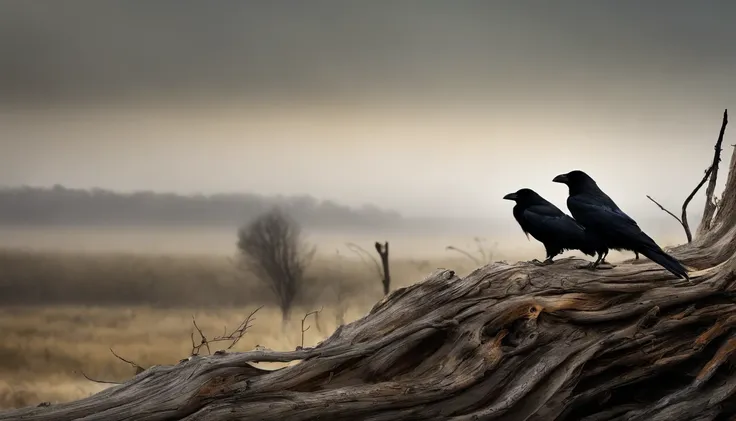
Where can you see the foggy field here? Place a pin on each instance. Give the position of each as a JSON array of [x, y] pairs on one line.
[[62, 310]]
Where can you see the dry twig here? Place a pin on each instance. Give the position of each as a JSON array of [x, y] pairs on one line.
[[234, 336], [97, 381], [665, 209], [304, 319], [138, 369]]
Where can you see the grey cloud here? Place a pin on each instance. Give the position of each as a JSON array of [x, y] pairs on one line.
[[108, 50]]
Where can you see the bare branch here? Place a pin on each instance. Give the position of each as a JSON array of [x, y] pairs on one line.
[[315, 312], [97, 381], [685, 224], [683, 219], [665, 209], [238, 333], [234, 336], [710, 203], [203, 340], [138, 369]]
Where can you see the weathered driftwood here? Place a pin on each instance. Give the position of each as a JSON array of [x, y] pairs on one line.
[[507, 342]]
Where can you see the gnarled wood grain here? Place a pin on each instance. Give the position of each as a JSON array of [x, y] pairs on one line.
[[506, 342]]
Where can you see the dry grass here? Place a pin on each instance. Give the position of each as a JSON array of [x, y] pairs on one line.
[[61, 312], [45, 349]]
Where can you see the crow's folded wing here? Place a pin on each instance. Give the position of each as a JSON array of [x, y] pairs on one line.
[[592, 212], [552, 222]]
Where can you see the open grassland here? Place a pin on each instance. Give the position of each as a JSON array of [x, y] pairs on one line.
[[45, 350], [60, 313]]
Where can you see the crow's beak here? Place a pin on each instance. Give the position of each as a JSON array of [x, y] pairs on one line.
[[510, 196], [562, 178]]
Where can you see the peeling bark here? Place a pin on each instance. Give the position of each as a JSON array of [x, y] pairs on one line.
[[506, 342]]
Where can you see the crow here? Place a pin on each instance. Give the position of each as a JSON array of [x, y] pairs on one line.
[[600, 215], [550, 226]]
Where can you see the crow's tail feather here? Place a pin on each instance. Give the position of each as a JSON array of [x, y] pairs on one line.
[[658, 256]]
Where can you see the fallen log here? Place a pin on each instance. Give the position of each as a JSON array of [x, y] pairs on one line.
[[506, 342]]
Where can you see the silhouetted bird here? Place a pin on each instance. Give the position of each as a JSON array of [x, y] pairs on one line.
[[600, 215], [550, 226]]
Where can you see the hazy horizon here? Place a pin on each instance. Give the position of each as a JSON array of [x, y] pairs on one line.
[[430, 109]]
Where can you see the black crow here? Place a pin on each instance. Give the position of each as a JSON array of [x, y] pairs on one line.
[[550, 226], [600, 215]]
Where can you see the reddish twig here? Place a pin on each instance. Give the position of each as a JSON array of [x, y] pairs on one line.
[[234, 336]]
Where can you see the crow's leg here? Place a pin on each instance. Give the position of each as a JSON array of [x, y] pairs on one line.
[[547, 261], [636, 253], [594, 265], [601, 259], [550, 254]]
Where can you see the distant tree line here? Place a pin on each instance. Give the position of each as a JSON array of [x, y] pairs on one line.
[[65, 206]]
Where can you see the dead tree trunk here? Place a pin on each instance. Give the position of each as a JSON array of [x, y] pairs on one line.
[[710, 204], [382, 250], [507, 342]]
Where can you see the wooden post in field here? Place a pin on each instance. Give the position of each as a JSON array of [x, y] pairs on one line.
[[382, 250]]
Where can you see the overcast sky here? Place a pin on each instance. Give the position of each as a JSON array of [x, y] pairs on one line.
[[427, 107]]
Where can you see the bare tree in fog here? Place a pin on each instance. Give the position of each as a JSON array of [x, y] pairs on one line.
[[272, 248]]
